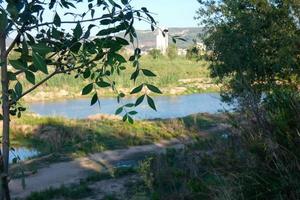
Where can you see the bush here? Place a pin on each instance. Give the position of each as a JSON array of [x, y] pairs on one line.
[[172, 52], [155, 53], [259, 161], [193, 53]]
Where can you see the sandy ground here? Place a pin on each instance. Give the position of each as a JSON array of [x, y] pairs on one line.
[[65, 173]]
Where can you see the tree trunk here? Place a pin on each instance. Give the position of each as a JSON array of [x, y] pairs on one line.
[[5, 112]]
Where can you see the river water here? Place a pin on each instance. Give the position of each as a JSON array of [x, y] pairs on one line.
[[167, 107]]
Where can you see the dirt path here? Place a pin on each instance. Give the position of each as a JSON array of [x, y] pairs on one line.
[[65, 173]]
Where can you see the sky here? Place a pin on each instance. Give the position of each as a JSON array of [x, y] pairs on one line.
[[170, 13]]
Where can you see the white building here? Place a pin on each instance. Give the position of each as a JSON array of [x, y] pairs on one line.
[[162, 40]]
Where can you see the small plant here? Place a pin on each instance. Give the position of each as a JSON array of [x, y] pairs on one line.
[[172, 52], [155, 53]]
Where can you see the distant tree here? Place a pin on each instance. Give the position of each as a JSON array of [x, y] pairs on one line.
[[172, 51], [64, 47], [155, 53]]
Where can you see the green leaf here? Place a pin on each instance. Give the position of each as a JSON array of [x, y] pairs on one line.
[[122, 95], [94, 99], [103, 84], [75, 47], [122, 41], [39, 62], [25, 50], [106, 21], [153, 89], [148, 73], [130, 120], [137, 89], [87, 73], [18, 64], [125, 118], [87, 89], [119, 58], [11, 76], [134, 75], [151, 102], [77, 31], [41, 48], [129, 105], [119, 111], [57, 21], [18, 88], [139, 100], [133, 112], [124, 2], [30, 77]]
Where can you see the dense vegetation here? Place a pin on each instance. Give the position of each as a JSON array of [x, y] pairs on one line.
[[254, 49], [174, 77]]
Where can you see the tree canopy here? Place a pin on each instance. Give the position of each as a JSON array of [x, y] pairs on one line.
[[253, 43]]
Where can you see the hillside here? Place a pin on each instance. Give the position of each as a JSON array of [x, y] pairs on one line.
[[147, 38]]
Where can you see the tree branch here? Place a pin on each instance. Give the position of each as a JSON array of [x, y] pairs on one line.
[[43, 81], [34, 87]]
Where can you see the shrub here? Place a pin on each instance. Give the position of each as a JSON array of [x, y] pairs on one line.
[[172, 52], [193, 53], [259, 161], [155, 53]]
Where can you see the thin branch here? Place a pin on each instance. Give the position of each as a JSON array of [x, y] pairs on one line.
[[43, 81], [34, 87], [69, 70]]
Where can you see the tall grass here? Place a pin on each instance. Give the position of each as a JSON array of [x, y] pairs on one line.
[[168, 72]]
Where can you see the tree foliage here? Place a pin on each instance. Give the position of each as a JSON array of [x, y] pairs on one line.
[[253, 43], [86, 47], [254, 49]]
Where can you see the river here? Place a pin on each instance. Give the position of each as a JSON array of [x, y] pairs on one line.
[[167, 107]]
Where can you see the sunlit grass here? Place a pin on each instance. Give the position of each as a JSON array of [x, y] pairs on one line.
[[169, 75]]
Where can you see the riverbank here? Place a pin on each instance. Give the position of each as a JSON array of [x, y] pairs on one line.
[[174, 77], [60, 139], [77, 162], [98, 133]]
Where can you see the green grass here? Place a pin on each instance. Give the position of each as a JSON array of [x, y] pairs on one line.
[[60, 139], [169, 73], [80, 137]]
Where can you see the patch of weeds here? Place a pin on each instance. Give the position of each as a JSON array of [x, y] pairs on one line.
[[78, 191]]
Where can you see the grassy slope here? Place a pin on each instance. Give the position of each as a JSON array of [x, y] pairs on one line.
[[169, 77]]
